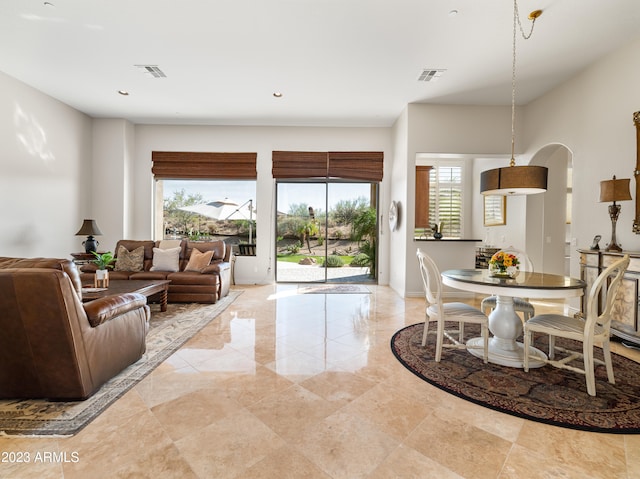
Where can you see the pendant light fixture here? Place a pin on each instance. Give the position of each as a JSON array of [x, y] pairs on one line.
[[515, 180]]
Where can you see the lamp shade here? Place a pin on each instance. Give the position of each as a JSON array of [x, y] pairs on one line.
[[514, 180], [89, 228], [614, 190]]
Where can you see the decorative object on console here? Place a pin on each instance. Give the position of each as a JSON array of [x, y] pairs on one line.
[[614, 190], [90, 229], [515, 180]]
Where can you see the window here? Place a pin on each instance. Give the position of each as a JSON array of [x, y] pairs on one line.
[[441, 195], [206, 209]]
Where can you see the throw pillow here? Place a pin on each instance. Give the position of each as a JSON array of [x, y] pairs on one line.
[[168, 244], [198, 260], [130, 260], [166, 259]]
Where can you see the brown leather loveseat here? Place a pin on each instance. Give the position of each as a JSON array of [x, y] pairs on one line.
[[204, 284], [52, 345]]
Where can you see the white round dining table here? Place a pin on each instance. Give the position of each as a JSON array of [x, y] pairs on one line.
[[504, 323]]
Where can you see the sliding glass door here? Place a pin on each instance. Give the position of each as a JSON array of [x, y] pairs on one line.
[[326, 231]]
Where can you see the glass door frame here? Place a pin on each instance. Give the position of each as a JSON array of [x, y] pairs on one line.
[[374, 198]]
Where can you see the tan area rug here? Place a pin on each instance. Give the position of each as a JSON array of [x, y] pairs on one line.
[[334, 289], [168, 332]]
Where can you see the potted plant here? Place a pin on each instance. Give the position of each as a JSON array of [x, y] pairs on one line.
[[103, 261]]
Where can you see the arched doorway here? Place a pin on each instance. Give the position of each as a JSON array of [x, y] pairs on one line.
[[549, 238]]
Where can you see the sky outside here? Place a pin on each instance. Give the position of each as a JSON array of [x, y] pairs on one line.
[[313, 194]]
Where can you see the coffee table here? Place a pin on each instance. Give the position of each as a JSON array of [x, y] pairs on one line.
[[148, 287]]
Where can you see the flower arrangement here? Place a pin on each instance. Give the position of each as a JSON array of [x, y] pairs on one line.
[[504, 263]]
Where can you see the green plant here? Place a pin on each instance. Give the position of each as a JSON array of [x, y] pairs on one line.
[[294, 248], [365, 233], [360, 260], [103, 260], [333, 261], [306, 230]]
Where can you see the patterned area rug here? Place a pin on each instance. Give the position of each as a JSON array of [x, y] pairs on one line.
[[168, 331], [334, 289], [547, 394]]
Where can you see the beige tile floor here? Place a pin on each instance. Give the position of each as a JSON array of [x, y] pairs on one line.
[[305, 386]]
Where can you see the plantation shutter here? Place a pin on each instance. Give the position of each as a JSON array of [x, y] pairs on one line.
[[445, 186], [353, 165], [193, 165]]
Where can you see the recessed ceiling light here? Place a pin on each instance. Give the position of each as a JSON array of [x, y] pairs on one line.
[[123, 92], [277, 94], [49, 4], [453, 13]]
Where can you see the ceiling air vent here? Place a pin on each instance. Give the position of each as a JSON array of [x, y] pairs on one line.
[[152, 70], [430, 74]]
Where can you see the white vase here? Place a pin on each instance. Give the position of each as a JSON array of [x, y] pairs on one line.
[[102, 278]]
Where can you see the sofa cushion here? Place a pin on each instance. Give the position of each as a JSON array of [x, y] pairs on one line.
[[166, 259], [129, 260], [198, 260]]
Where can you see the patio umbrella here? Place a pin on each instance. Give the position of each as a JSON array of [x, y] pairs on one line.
[[226, 210]]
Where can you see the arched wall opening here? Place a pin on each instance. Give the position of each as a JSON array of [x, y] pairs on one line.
[[548, 225]]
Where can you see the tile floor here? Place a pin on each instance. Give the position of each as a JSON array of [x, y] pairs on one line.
[[305, 386]]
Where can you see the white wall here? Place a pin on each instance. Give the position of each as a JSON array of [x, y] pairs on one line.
[[399, 193], [591, 115], [45, 173]]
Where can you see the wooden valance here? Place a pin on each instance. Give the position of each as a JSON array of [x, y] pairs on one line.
[[203, 165], [353, 165]]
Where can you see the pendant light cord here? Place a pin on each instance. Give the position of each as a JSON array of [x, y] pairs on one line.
[[516, 23]]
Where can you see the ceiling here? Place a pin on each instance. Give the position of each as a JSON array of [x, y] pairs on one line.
[[336, 62]]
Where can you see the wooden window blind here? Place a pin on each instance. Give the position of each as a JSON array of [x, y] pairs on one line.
[[355, 165], [299, 164], [190, 165]]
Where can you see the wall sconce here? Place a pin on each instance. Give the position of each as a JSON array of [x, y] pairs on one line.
[[614, 190], [89, 228]]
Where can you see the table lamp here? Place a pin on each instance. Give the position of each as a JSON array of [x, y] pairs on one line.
[[614, 190], [89, 228]]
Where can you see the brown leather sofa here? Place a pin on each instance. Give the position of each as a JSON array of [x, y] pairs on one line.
[[204, 286], [52, 345]]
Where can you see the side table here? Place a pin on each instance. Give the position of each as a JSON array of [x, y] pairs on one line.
[[82, 258]]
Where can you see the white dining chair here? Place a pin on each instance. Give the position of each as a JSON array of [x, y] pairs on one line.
[[591, 330], [522, 305], [440, 312]]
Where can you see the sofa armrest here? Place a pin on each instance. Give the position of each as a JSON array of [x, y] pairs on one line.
[[102, 310], [211, 269]]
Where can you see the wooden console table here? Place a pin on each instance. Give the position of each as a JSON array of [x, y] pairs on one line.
[[624, 323]]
